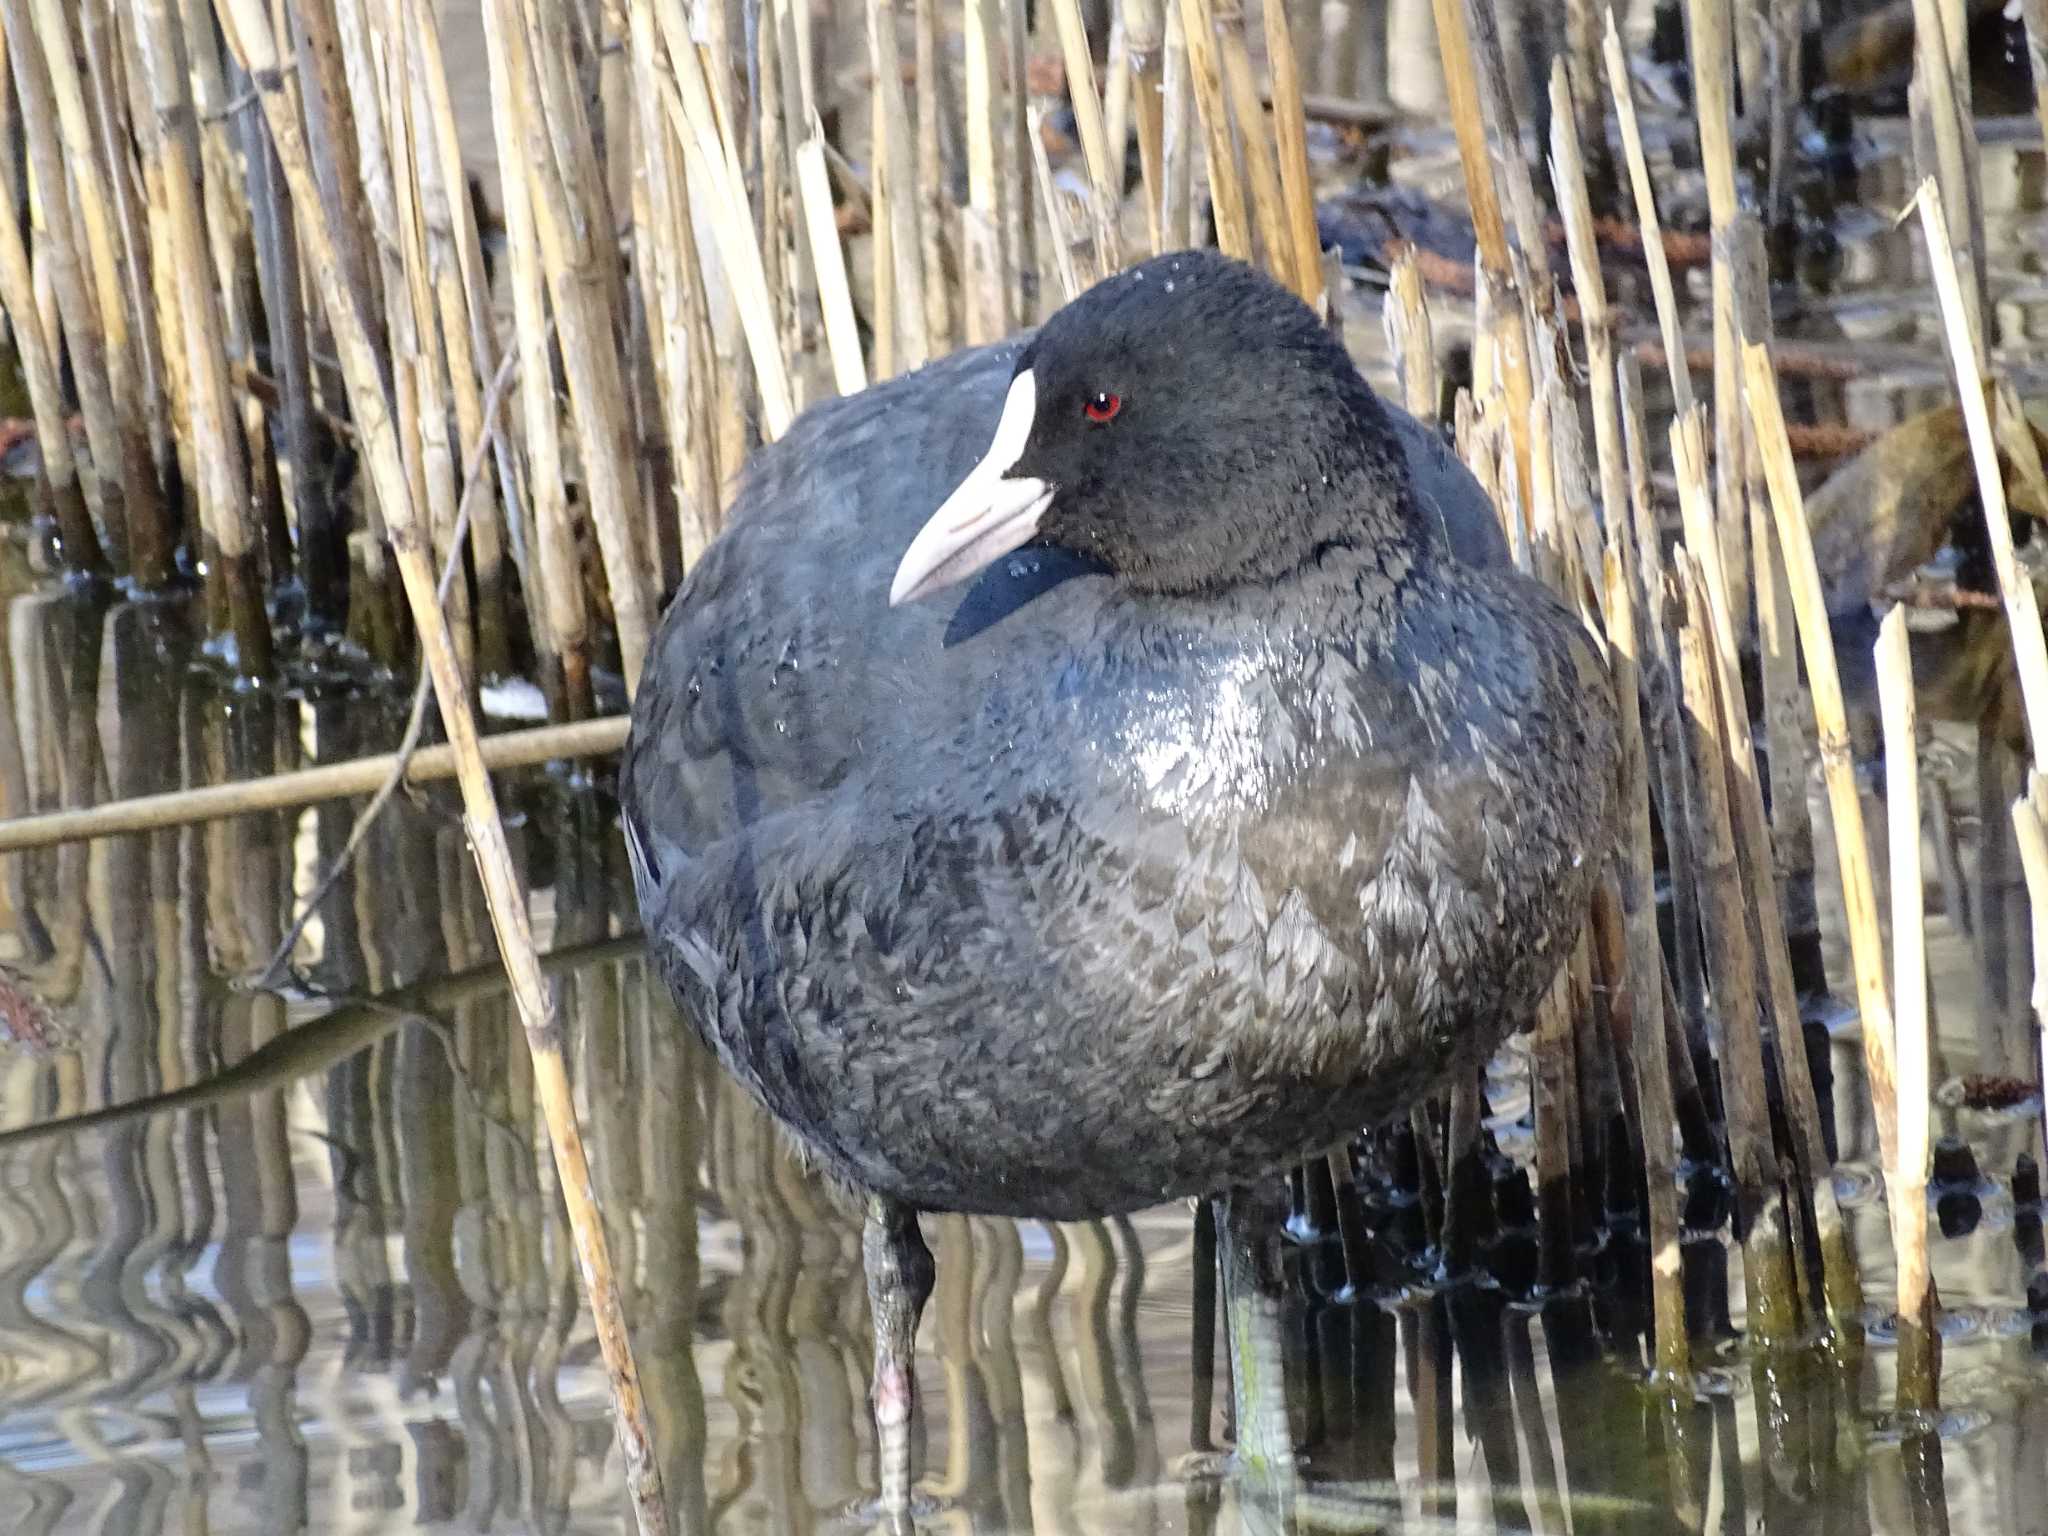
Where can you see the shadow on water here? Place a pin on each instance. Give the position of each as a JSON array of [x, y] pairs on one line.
[[306, 1267]]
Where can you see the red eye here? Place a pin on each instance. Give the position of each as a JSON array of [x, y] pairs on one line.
[[1103, 407]]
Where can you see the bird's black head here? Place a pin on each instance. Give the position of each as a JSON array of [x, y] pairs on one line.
[[1190, 424]]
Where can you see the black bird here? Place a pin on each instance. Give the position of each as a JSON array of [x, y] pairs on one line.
[[1243, 795]]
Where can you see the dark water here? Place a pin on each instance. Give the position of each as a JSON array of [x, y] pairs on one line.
[[339, 1295]]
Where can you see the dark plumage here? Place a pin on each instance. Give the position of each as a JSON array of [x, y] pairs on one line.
[[1231, 813]]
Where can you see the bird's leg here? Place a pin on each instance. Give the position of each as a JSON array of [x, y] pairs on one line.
[[1246, 1227], [899, 1272]]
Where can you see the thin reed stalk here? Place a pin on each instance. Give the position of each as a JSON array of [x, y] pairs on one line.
[[1773, 1297], [1713, 89], [1508, 343], [60, 261], [1655, 1113], [561, 620], [1105, 169], [251, 38], [1838, 767], [36, 350], [223, 488], [1654, 253], [1410, 341], [1205, 75], [986, 276], [1906, 1178], [1145, 42]]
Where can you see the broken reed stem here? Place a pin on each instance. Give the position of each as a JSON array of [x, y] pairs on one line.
[[1058, 238], [1623, 89], [1838, 767], [1638, 876], [2023, 617], [1773, 1303], [1906, 1178], [248, 28], [308, 786], [1404, 315]]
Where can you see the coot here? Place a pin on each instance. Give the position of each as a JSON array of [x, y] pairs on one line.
[[1196, 784]]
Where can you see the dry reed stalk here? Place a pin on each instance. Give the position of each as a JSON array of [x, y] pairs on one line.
[[1714, 101], [935, 213], [561, 628], [1105, 173], [897, 198], [1655, 1112], [1838, 766], [332, 141], [282, 300], [1906, 1177], [718, 193], [117, 150], [58, 261], [2022, 614], [1505, 337], [986, 277], [574, 255], [1177, 113], [251, 38], [1204, 73], [469, 339], [1116, 92], [223, 489], [1404, 315], [422, 359], [1550, 1079], [1019, 206], [1246, 106], [1943, 71], [883, 297], [79, 542], [1568, 176], [1767, 919], [1145, 41], [152, 536], [835, 300], [1058, 238], [1660, 704], [2034, 13], [1290, 128], [1654, 253], [1773, 1297]]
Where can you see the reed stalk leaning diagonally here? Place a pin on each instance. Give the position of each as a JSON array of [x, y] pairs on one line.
[[247, 24]]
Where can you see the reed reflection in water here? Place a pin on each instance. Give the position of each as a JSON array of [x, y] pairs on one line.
[[336, 1292]]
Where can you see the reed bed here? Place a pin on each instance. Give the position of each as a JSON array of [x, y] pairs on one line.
[[713, 216]]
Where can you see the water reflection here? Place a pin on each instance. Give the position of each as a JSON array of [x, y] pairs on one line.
[[328, 1285]]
